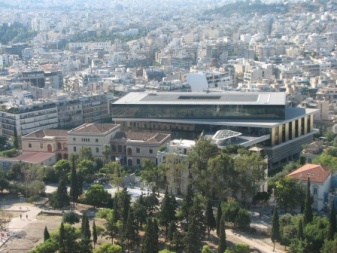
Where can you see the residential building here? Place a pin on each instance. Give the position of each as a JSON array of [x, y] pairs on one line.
[[320, 182]]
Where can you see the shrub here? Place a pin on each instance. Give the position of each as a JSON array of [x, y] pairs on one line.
[[70, 218]]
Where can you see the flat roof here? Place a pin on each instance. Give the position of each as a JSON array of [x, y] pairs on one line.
[[219, 98]]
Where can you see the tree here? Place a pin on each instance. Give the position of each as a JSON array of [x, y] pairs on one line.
[[62, 168], [300, 230], [187, 202], [130, 232], [15, 138], [206, 249], [172, 230], [222, 237], [97, 195], [210, 220], [139, 210], [218, 218], [86, 154], [167, 211], [150, 239], [70, 218], [46, 235], [275, 230], [152, 175], [307, 215], [111, 229], [106, 153], [62, 239], [60, 198], [123, 199], [85, 244], [332, 222], [288, 193], [196, 228], [94, 233], [109, 248], [74, 189]]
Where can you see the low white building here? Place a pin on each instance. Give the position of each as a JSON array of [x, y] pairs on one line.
[[320, 182]]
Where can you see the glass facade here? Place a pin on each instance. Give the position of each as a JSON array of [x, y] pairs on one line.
[[270, 112]]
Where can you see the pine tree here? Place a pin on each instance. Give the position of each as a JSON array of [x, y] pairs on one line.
[[210, 220], [74, 190], [94, 233], [196, 228], [222, 246], [171, 231], [300, 230], [62, 239], [218, 218], [130, 236], [307, 216], [116, 216], [60, 198], [167, 211], [111, 229], [46, 235], [275, 230], [332, 222], [150, 239]]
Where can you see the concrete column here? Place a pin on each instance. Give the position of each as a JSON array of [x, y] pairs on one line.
[[293, 126], [305, 125], [273, 131], [299, 121], [280, 134], [287, 131]]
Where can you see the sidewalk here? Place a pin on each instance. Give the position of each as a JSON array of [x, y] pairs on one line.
[[28, 215]]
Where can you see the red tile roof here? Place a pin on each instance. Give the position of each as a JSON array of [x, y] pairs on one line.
[[146, 136], [316, 172], [30, 157], [47, 132], [95, 128]]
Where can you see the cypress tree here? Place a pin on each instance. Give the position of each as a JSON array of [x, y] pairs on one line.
[[172, 230], [300, 230], [46, 235], [332, 222], [62, 239], [115, 216], [222, 246], [15, 138], [155, 236], [60, 198], [146, 243], [85, 244], [307, 216], [218, 218], [74, 190], [94, 233], [210, 220], [130, 232], [187, 202], [275, 230], [167, 211]]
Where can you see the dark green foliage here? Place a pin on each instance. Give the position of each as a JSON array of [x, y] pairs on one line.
[[60, 198], [332, 222], [187, 202], [122, 205], [130, 235], [316, 232], [70, 218], [210, 220], [111, 229], [236, 215], [139, 210], [62, 239], [218, 218], [300, 230], [307, 215], [74, 188], [15, 138], [172, 230], [94, 233], [222, 237], [85, 243], [15, 33], [167, 211], [46, 235], [150, 239], [97, 195], [275, 230], [196, 228]]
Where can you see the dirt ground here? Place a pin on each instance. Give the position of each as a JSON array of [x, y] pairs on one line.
[[32, 234]]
